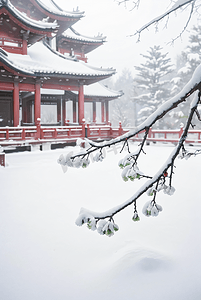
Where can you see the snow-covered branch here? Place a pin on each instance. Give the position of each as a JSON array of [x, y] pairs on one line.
[[179, 4], [193, 85], [104, 222], [135, 4]]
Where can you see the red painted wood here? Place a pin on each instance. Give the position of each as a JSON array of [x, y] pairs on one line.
[[27, 87], [17, 21], [93, 132], [9, 69], [2, 159], [6, 86], [24, 47], [60, 87]]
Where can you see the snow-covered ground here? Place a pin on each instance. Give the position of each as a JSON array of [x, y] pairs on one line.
[[45, 256]]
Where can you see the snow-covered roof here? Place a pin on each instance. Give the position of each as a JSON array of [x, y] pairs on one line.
[[71, 33], [39, 25], [99, 90], [42, 60], [52, 6]]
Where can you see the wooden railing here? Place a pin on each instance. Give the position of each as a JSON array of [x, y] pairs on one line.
[[41, 134], [169, 136]]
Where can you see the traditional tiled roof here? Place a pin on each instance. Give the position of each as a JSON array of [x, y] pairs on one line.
[[42, 60], [24, 19], [99, 90], [53, 7], [72, 34], [95, 90]]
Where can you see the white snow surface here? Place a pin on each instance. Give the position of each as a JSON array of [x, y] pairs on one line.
[[73, 34], [41, 59], [98, 89], [39, 24], [44, 255], [49, 5]]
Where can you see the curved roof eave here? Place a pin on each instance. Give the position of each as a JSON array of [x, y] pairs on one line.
[[43, 62], [99, 90], [57, 11], [77, 36], [28, 22]]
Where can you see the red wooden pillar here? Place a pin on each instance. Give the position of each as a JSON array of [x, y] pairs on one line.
[[24, 47], [94, 112], [74, 112], [37, 103], [16, 104], [102, 112], [59, 111], [81, 104], [63, 112], [107, 111]]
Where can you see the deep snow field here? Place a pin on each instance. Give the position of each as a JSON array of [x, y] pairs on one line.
[[45, 256]]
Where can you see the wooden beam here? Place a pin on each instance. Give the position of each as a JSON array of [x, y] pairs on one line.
[[6, 86], [27, 87], [66, 87]]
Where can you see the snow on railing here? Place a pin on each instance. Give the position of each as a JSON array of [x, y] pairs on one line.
[[93, 132]]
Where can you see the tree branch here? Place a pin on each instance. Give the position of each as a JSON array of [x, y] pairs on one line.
[[86, 214], [186, 25], [174, 8], [189, 89]]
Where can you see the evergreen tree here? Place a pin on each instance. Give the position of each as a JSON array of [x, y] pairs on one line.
[[188, 60], [185, 66], [151, 82]]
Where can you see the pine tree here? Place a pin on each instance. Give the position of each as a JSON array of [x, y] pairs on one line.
[[185, 66], [151, 82], [189, 59]]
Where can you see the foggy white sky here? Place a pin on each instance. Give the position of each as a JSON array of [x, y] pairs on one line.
[[117, 23]]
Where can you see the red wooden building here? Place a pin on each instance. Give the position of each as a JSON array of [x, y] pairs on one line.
[[72, 42], [40, 52], [43, 61]]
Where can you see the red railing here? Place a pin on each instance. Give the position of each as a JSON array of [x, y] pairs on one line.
[[169, 136], [42, 134]]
